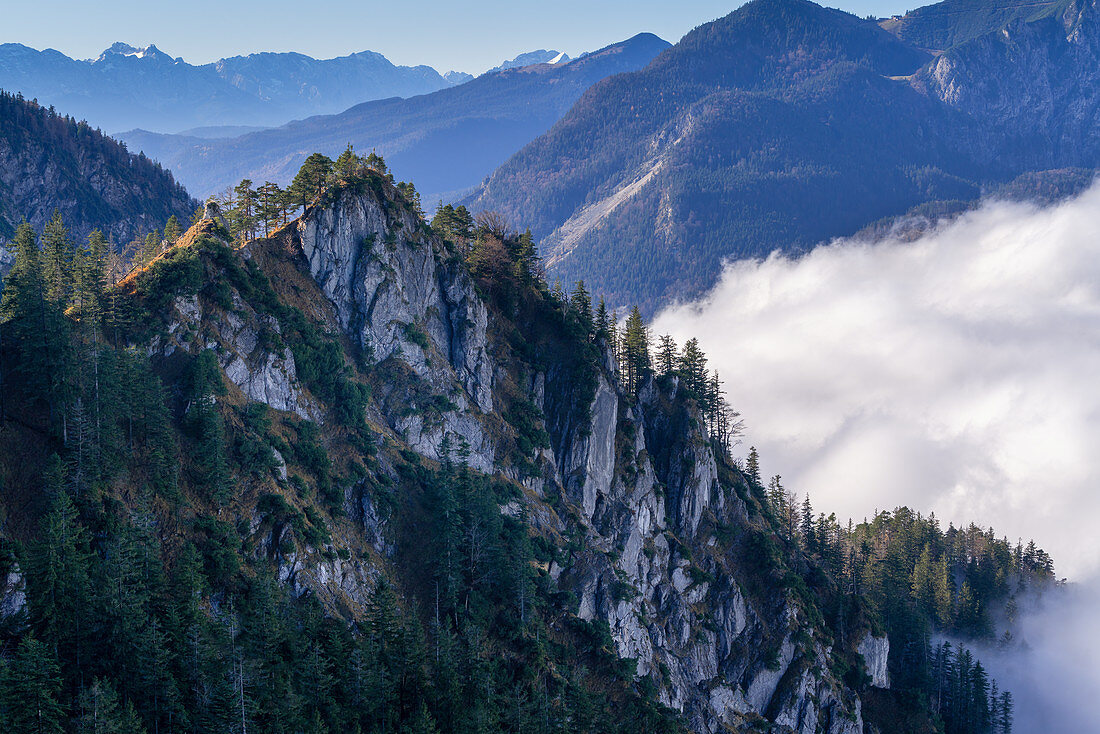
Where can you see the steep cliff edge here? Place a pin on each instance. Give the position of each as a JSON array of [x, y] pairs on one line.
[[361, 408], [667, 535]]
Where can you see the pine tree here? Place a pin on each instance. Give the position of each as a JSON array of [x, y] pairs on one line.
[[151, 248], [172, 230], [922, 584], [777, 497], [528, 260], [806, 527], [667, 356], [375, 162], [24, 313], [59, 585], [347, 165], [243, 219], [29, 689], [603, 321], [453, 222], [269, 198], [102, 713], [635, 351], [315, 175], [205, 424], [1006, 711], [752, 467], [412, 197], [57, 261], [693, 367], [581, 308]]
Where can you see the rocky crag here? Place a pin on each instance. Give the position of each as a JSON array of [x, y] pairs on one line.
[[654, 532]]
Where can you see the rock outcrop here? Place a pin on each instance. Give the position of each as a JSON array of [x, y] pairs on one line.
[[660, 578], [671, 546], [396, 297]]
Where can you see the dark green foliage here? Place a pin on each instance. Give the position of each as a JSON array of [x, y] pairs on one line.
[[205, 424], [917, 580], [311, 454], [178, 273], [196, 634], [525, 417], [416, 335], [323, 368], [218, 546], [174, 616], [453, 223], [30, 686], [312, 179], [964, 696]]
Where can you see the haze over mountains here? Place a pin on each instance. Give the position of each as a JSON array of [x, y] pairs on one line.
[[446, 141], [542, 56], [127, 87], [785, 124]]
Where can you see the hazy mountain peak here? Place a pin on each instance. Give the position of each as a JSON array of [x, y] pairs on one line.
[[457, 77], [120, 49], [541, 56]]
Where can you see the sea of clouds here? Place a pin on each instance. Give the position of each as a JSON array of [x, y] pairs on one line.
[[958, 374]]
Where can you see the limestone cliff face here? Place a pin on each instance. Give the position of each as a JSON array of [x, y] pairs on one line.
[[397, 298], [655, 570], [264, 375], [670, 550]]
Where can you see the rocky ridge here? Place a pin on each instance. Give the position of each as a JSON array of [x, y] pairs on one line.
[[668, 531]]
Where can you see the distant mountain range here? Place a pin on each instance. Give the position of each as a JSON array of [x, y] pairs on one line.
[[786, 124], [447, 141], [49, 162], [542, 56], [127, 87]]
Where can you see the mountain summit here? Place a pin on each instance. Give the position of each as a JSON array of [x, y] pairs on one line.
[[542, 56], [126, 50]]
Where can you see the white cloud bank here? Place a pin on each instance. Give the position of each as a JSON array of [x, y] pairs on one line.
[[1054, 676], [959, 373]]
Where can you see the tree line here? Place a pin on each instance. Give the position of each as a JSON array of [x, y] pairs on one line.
[[253, 211], [920, 580]]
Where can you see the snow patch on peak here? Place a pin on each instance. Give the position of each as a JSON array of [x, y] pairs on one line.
[[124, 49], [542, 56]]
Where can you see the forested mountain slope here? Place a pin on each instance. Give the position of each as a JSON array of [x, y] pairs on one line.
[[446, 141], [954, 22], [785, 124], [49, 162], [372, 474], [126, 87]]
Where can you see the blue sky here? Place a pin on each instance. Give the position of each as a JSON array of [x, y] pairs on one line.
[[468, 36]]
